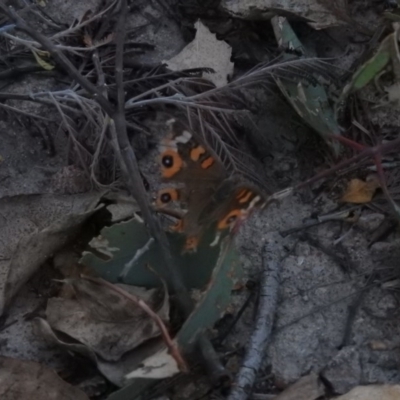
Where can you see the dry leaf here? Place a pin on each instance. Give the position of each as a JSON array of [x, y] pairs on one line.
[[317, 14], [33, 229], [359, 191], [106, 39], [373, 392], [44, 64], [205, 51], [87, 40], [157, 366], [115, 372], [104, 320], [27, 380], [306, 388]]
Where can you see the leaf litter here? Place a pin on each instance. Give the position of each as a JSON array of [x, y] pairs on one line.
[[123, 362], [23, 380], [104, 321]]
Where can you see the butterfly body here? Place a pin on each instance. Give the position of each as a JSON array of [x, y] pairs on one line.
[[211, 196]]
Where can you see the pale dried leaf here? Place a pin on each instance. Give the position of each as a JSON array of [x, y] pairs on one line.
[[114, 371], [373, 392], [205, 51], [393, 92], [33, 229], [158, 366], [306, 388], [318, 15], [105, 321], [27, 380]]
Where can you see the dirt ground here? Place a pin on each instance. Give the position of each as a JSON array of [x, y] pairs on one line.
[[335, 317]]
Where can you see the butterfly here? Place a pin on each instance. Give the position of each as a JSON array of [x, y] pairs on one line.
[[206, 192]]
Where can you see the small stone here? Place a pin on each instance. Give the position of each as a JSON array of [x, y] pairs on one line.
[[344, 370], [370, 222]]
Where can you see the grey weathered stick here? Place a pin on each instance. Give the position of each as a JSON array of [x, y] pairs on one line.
[[134, 179], [258, 342]]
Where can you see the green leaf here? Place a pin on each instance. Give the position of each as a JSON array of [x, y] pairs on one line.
[[370, 70], [310, 102], [387, 53], [210, 308], [118, 244]]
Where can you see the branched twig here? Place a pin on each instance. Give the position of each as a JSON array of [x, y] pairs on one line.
[[134, 179], [263, 325], [128, 161], [64, 62]]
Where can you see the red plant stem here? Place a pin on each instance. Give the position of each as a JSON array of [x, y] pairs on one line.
[[389, 147], [351, 143], [173, 349]]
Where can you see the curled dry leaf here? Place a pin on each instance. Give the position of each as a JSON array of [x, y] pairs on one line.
[[359, 191], [33, 229], [105, 321], [157, 366], [115, 371], [26, 380], [205, 51], [373, 392]]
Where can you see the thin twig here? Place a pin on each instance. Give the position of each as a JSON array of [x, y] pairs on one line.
[[263, 326], [134, 179], [64, 62], [27, 114], [386, 148]]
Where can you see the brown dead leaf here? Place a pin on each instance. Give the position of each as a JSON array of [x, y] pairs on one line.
[[106, 39], [33, 229], [105, 321], [87, 40], [373, 392], [306, 388], [359, 191], [27, 380]]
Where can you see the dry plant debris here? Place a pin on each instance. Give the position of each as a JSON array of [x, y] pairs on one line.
[[359, 191], [318, 15], [308, 387], [23, 380], [106, 98], [44, 225], [205, 49], [373, 392]]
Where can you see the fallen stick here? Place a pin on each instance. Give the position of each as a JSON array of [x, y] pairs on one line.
[[256, 348]]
